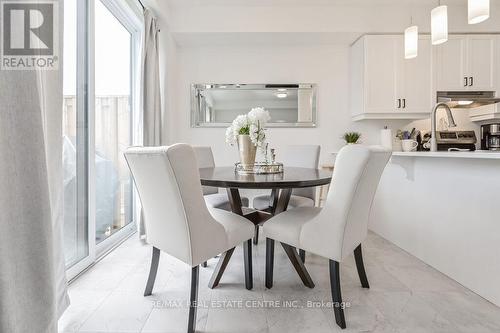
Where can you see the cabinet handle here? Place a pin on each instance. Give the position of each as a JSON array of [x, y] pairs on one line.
[[399, 103], [471, 81], [404, 103], [466, 81]]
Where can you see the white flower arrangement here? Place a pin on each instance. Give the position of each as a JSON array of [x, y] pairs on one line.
[[253, 124]]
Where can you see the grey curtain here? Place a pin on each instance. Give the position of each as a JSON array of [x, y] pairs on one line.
[[32, 271], [150, 89]]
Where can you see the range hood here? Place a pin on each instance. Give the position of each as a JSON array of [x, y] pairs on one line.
[[467, 99]]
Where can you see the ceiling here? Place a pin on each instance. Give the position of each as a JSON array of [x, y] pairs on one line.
[[309, 2]]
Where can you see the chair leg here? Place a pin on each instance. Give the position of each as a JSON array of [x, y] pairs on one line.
[[193, 300], [256, 235], [269, 262], [247, 252], [302, 255], [292, 254], [219, 270], [336, 293], [358, 256], [155, 259]]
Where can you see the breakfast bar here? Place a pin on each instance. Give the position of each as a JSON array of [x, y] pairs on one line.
[[442, 208]]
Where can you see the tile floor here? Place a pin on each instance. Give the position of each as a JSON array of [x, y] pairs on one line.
[[406, 295]]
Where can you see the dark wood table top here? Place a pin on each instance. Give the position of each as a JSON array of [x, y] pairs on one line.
[[291, 178]]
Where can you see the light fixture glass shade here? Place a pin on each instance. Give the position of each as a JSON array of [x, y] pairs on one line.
[[439, 25], [411, 42], [479, 11]]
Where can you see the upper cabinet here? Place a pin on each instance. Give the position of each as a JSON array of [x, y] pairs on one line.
[[384, 85], [415, 78], [488, 112], [467, 62]]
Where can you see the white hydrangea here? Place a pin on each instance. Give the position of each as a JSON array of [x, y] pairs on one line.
[[240, 122], [259, 116], [233, 131], [252, 124], [257, 135]]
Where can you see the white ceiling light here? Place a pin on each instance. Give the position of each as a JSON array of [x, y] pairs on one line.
[[439, 25], [479, 11], [281, 94], [411, 42]]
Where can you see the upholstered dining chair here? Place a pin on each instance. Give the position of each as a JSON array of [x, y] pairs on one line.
[[337, 229], [177, 220], [213, 198], [300, 156]]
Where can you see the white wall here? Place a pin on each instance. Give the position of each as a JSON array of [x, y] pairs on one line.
[[326, 65]]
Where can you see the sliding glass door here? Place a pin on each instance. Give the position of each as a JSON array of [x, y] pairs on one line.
[[101, 43], [113, 123]]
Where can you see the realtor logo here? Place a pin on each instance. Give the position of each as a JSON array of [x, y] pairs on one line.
[[29, 35]]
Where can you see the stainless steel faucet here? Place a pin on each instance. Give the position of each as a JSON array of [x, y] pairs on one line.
[[451, 122]]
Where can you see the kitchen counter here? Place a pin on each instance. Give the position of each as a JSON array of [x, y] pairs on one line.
[[442, 207], [481, 154]]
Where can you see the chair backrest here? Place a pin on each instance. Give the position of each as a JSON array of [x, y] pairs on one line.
[[205, 159], [344, 218], [302, 156], [176, 217]]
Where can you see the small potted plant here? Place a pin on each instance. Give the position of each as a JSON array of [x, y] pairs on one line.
[[351, 138]]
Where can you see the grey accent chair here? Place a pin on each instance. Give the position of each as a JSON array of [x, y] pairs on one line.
[[336, 230], [213, 198], [177, 220], [300, 156]]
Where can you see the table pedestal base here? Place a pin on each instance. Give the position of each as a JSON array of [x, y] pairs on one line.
[[278, 203]]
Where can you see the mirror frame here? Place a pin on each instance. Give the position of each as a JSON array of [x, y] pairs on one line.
[[195, 107]]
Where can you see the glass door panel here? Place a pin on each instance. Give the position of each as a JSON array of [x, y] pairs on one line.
[[113, 124], [76, 242]]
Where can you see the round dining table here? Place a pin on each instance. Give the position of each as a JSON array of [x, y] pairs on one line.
[[280, 185]]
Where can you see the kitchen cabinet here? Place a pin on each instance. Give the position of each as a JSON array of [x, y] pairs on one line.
[[381, 90], [490, 112], [467, 62], [415, 80], [384, 85]]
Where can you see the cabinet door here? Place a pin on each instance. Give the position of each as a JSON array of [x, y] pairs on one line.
[[415, 78], [380, 74], [497, 67], [481, 62], [451, 64]]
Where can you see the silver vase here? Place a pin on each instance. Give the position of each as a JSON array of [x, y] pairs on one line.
[[247, 151]]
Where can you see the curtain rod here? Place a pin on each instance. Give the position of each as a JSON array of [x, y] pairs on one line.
[[143, 8]]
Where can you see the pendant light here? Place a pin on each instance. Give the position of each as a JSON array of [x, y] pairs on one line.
[[411, 40], [479, 11], [439, 24]]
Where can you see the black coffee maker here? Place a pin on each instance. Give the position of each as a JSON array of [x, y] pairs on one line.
[[490, 137]]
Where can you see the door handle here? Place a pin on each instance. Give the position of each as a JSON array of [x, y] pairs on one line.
[[399, 103], [404, 103], [466, 81], [471, 81]]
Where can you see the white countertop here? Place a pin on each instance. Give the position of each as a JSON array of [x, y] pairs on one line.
[[480, 154]]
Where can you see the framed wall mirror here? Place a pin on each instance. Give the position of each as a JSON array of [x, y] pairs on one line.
[[217, 105]]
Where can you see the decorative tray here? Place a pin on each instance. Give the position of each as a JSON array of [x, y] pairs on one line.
[[259, 168]]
